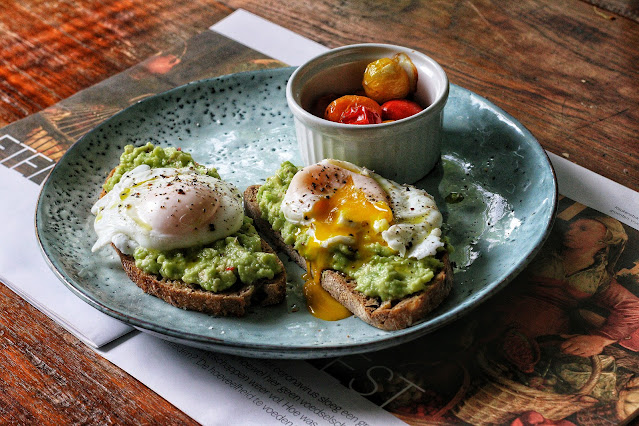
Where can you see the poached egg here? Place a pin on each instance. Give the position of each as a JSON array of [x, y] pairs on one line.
[[336, 202], [165, 209]]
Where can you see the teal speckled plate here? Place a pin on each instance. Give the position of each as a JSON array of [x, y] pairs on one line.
[[241, 125]]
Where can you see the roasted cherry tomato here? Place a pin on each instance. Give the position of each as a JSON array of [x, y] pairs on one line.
[[384, 79], [350, 103], [399, 108], [360, 115]]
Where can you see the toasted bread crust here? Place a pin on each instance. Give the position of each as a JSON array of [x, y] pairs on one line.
[[232, 302], [394, 315]]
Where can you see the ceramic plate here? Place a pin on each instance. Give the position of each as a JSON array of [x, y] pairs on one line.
[[241, 125]]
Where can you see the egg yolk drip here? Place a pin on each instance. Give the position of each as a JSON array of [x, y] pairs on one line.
[[347, 217]]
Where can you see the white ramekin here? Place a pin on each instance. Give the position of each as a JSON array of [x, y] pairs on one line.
[[404, 150]]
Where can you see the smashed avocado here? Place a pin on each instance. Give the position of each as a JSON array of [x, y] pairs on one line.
[[388, 277], [154, 157], [379, 272], [214, 267]]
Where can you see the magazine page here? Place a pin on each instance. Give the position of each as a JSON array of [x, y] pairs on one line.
[[219, 389], [559, 344], [33, 280]]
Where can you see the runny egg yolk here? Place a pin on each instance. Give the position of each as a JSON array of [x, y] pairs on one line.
[[319, 301], [348, 217]]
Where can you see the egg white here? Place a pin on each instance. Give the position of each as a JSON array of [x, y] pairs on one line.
[[417, 231], [165, 209]]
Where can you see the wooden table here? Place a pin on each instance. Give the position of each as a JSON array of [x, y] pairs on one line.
[[569, 71]]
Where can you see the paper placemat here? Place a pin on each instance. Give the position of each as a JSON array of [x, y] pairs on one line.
[[33, 280]]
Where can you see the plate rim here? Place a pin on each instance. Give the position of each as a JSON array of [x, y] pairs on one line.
[[260, 350]]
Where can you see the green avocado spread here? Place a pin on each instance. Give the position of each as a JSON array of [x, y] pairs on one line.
[[382, 274], [214, 267], [154, 157]]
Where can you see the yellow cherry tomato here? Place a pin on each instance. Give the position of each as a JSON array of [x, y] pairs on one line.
[[384, 79]]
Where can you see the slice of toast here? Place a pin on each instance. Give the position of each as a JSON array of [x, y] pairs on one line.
[[390, 315], [234, 301]]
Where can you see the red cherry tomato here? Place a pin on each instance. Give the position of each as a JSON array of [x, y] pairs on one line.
[[336, 109], [360, 115], [399, 108]]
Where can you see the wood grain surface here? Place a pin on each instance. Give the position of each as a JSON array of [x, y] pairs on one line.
[[53, 49], [567, 70]]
